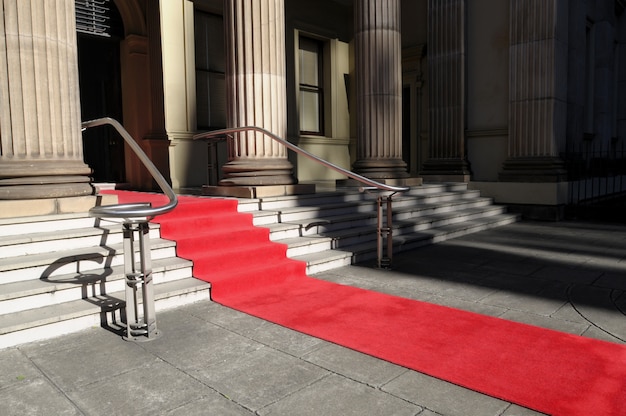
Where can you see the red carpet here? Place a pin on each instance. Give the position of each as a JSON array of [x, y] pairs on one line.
[[549, 371]]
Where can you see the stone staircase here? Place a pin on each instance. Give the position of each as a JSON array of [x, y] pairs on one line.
[[333, 229], [63, 273]]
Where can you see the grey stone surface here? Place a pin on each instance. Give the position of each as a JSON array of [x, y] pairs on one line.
[[443, 397], [335, 395], [212, 360]]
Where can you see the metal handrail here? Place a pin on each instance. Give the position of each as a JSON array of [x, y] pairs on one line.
[[370, 184], [136, 210]]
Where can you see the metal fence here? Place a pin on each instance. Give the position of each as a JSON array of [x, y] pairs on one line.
[[595, 174]]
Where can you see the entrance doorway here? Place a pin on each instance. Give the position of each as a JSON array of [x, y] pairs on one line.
[[101, 96]]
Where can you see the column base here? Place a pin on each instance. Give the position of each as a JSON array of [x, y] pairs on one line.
[[53, 206], [383, 168], [258, 172], [446, 170], [37, 187], [258, 191], [533, 169], [409, 181], [37, 179]]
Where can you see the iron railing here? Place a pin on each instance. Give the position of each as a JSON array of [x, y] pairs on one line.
[[138, 210], [595, 173], [384, 197]]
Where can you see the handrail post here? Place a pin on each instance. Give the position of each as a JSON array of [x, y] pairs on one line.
[[384, 231], [139, 326]]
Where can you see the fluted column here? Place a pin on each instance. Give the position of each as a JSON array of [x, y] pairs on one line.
[[41, 154], [538, 91], [446, 93], [378, 55], [256, 87]]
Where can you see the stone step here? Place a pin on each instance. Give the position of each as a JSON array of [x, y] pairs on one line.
[[103, 310], [365, 251], [24, 295], [76, 260], [343, 238], [28, 225], [308, 226], [106, 233], [62, 273], [312, 208]]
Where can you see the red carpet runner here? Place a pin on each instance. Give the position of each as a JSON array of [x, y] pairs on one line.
[[549, 371]]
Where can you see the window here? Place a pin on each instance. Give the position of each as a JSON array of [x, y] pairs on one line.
[[311, 86], [210, 69], [95, 17]]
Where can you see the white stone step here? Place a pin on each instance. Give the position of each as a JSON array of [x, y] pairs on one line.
[[29, 225], [78, 260], [368, 250], [345, 237], [78, 233], [24, 295], [54, 320], [334, 230]]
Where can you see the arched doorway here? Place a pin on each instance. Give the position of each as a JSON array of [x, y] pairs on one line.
[[101, 94]]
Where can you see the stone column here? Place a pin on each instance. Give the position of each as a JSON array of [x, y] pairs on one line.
[[378, 56], [538, 91], [256, 88], [41, 153], [179, 93], [447, 159]]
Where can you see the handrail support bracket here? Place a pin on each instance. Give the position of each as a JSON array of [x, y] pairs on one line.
[[140, 315], [384, 246]]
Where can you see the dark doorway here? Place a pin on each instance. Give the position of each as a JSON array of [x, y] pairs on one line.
[[101, 96]]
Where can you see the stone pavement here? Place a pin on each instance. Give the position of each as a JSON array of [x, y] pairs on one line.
[[211, 360]]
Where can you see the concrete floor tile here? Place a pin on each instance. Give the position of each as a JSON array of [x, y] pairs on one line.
[[261, 377], [153, 389], [91, 362], [536, 304], [211, 403], [568, 274], [476, 307], [36, 397], [443, 397], [545, 322], [515, 410], [16, 368], [197, 344], [354, 365], [335, 395]]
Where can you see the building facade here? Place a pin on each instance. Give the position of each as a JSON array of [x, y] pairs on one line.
[[522, 99]]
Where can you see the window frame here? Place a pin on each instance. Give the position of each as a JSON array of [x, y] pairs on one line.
[[318, 89]]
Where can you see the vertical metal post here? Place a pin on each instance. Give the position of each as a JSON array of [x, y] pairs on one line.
[[384, 231], [379, 231], [389, 232], [140, 326]]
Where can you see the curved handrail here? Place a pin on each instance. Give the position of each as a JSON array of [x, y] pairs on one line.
[[367, 181], [137, 210]]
